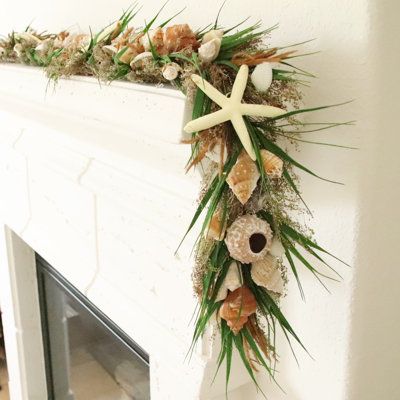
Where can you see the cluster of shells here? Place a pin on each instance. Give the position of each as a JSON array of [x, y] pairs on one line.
[[132, 46], [250, 242]]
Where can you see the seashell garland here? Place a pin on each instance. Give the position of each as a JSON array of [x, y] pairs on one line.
[[171, 71], [215, 229], [273, 165], [237, 308], [243, 177], [248, 239], [231, 282], [266, 273]]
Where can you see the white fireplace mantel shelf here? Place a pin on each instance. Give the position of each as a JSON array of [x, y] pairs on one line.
[[92, 178]]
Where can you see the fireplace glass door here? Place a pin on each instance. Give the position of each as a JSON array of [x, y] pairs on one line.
[[87, 356]]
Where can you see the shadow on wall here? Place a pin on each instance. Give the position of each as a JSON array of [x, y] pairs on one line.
[[374, 345]]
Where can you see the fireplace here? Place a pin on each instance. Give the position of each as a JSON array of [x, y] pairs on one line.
[[87, 356], [102, 197]]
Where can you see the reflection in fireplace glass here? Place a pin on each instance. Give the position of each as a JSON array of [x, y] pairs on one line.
[[87, 356]]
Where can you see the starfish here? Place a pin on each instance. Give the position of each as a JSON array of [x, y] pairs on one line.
[[232, 109]]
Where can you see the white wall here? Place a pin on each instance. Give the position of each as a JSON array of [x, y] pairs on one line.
[[352, 333]]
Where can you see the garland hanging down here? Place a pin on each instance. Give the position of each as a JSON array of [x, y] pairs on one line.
[[238, 135]]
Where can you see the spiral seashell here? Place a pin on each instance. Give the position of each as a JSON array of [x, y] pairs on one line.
[[248, 239], [237, 308], [216, 228], [231, 282], [209, 51], [243, 177], [273, 165], [171, 71], [266, 273]]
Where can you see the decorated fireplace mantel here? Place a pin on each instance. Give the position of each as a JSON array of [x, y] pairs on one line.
[[89, 171]]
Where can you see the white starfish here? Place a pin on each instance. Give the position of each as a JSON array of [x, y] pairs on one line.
[[232, 109]]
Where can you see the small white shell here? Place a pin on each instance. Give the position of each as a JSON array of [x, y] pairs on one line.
[[141, 56], [262, 77], [266, 273], [213, 34], [107, 31], [209, 51], [231, 282], [110, 50], [43, 47], [171, 71], [277, 249], [2, 51]]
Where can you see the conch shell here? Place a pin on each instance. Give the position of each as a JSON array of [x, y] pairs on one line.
[[273, 165], [266, 273], [171, 71], [237, 308], [231, 282], [243, 177], [248, 239], [217, 227]]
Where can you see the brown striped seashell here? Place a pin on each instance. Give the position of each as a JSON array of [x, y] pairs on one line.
[[243, 177], [217, 227], [231, 282], [237, 308], [266, 273], [273, 165], [248, 239]]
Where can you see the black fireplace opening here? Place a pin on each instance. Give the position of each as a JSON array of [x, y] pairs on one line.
[[87, 356]]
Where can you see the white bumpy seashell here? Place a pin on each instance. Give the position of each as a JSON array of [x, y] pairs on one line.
[[213, 34], [266, 273], [231, 282], [2, 51], [277, 249], [248, 239], [171, 71], [262, 77], [18, 49], [273, 165], [209, 51], [110, 50]]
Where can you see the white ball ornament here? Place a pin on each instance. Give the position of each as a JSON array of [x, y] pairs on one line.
[[262, 77]]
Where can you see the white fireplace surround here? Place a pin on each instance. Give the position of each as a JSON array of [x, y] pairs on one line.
[[93, 180]]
